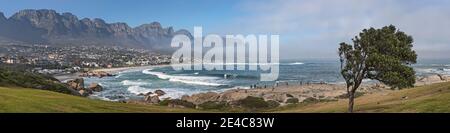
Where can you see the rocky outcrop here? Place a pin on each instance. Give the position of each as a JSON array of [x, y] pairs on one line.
[[95, 87], [201, 97], [153, 99], [85, 92], [99, 74], [2, 17], [76, 84], [159, 92], [437, 78]]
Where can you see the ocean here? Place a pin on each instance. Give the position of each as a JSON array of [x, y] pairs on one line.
[[129, 84]]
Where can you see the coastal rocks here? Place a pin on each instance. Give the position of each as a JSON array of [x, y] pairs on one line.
[[85, 92], [159, 92], [76, 84], [281, 98], [153, 99], [95, 87], [443, 77], [233, 95], [437, 78], [201, 97], [99, 74]]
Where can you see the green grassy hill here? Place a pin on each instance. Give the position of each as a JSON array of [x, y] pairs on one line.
[[429, 98], [20, 100]]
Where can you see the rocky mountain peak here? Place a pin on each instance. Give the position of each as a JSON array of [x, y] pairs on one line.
[[55, 28], [2, 17]]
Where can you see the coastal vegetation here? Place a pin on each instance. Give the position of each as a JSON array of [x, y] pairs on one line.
[[382, 54], [427, 98], [21, 76]]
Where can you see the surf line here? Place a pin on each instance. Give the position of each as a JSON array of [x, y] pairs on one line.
[[188, 123], [210, 53]]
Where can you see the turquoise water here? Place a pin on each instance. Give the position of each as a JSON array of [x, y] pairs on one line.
[[128, 84]]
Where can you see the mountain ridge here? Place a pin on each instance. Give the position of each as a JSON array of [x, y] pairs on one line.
[[49, 26]]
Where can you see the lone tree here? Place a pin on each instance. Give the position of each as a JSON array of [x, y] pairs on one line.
[[379, 54]]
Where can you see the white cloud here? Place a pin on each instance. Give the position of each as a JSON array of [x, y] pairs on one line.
[[313, 28]]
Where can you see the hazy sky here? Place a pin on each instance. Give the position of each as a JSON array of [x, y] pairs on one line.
[[307, 28]]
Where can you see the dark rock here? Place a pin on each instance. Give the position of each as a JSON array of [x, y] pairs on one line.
[[152, 99], [95, 87], [85, 92], [76, 84], [160, 92]]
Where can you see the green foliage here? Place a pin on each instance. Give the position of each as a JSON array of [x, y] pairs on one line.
[[177, 102], [381, 54], [164, 102], [357, 94], [292, 100], [311, 100], [213, 105], [273, 104], [253, 103], [19, 77]]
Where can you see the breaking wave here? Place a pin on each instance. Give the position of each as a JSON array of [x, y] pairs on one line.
[[195, 80]]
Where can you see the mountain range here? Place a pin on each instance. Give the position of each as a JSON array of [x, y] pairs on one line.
[[49, 27]]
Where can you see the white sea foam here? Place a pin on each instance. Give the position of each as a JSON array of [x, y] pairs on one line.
[[297, 63], [129, 82], [138, 90], [196, 80]]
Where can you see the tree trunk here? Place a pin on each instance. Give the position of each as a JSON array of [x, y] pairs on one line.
[[351, 98]]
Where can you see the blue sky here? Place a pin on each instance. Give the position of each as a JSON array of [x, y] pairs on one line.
[[307, 28]]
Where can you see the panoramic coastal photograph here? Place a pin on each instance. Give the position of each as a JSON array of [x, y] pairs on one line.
[[225, 56]]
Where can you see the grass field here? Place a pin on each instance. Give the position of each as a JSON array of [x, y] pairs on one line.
[[430, 98], [22, 100]]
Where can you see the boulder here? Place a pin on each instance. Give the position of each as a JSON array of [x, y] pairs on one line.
[[95, 87], [201, 97], [229, 96], [76, 84], [431, 79], [151, 99], [443, 77], [85, 92], [160, 92], [281, 98]]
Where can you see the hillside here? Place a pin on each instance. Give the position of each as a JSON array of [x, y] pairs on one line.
[[20, 100], [50, 27], [429, 98]]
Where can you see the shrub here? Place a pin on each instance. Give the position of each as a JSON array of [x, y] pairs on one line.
[[177, 102], [10, 76], [292, 100], [310, 100], [213, 105], [253, 103], [164, 102], [345, 95], [273, 104]]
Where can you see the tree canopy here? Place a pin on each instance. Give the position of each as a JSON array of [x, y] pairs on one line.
[[384, 54]]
